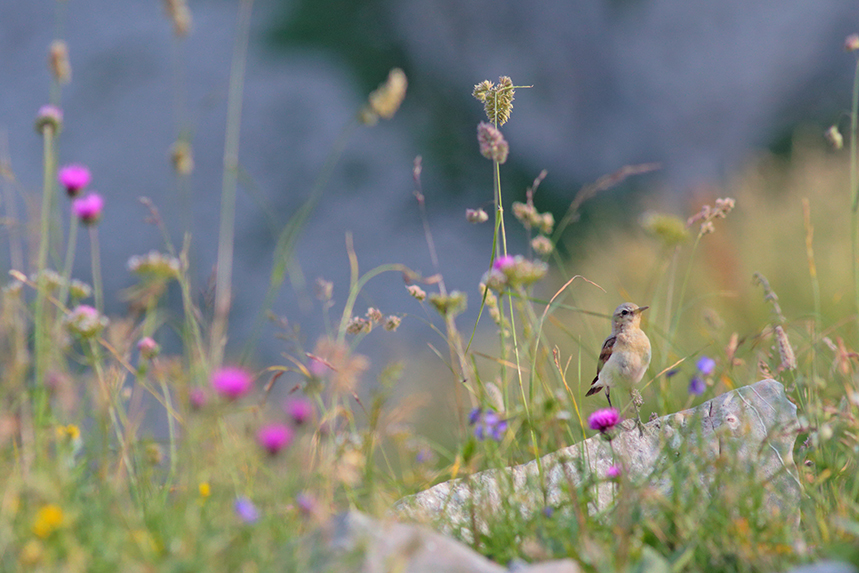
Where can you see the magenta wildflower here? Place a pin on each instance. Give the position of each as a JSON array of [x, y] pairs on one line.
[[274, 437], [197, 398], [503, 262], [74, 178], [613, 472], [246, 510], [88, 209], [299, 410], [231, 382], [604, 420], [148, 348]]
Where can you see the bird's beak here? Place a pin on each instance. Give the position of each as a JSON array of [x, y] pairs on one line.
[[642, 309]]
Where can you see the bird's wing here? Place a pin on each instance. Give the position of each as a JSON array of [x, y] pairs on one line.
[[605, 354]]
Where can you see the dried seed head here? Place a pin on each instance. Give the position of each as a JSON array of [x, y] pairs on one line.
[[79, 289], [154, 265], [358, 325], [492, 143], [385, 100], [392, 323], [497, 99], [417, 292], [834, 137], [180, 15], [58, 61], [667, 228], [476, 216], [542, 245], [374, 315], [182, 156], [323, 289], [785, 350], [449, 305]]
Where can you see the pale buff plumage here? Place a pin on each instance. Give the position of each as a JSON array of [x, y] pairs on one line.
[[625, 355]]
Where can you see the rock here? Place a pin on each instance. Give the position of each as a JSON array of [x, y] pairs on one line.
[[356, 542], [751, 430]]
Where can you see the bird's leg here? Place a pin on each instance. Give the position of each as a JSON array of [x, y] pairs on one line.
[[637, 402], [608, 395]]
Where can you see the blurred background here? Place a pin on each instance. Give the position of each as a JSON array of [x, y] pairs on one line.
[[718, 93]]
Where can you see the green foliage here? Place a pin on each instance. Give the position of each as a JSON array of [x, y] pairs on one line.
[[87, 487]]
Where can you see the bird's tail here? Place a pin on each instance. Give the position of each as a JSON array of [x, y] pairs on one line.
[[595, 387]]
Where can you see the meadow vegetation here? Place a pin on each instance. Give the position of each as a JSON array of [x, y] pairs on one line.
[[750, 281]]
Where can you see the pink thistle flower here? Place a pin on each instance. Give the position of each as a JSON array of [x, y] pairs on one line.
[[613, 472], [231, 382], [74, 177], [504, 262], [604, 420], [274, 437], [197, 398], [299, 409], [88, 209], [148, 348], [49, 116]]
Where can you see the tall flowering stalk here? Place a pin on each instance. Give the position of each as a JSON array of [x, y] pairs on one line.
[[223, 287], [48, 123], [497, 102], [853, 46]]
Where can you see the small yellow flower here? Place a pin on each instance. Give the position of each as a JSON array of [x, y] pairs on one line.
[[48, 519], [70, 432], [205, 489]]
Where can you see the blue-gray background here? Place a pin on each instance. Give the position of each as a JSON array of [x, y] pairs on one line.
[[694, 84]]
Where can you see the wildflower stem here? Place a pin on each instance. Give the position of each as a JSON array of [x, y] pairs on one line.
[[70, 259], [95, 255], [41, 342], [223, 291], [679, 312], [854, 183]]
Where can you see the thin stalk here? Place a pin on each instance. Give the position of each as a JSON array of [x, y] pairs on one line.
[[70, 259], [854, 183], [42, 346], [95, 255], [223, 291]]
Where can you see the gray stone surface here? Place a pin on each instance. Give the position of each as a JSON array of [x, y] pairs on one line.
[[752, 428], [356, 542]]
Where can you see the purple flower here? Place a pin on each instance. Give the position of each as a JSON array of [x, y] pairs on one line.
[[604, 420], [697, 386], [706, 365], [299, 409], [613, 472], [274, 437], [474, 415], [246, 510], [74, 177], [487, 425], [503, 262], [88, 209], [231, 382], [197, 398]]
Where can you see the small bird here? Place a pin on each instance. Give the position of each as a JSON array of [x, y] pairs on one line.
[[624, 357]]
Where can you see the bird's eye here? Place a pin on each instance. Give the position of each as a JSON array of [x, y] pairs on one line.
[[624, 312]]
